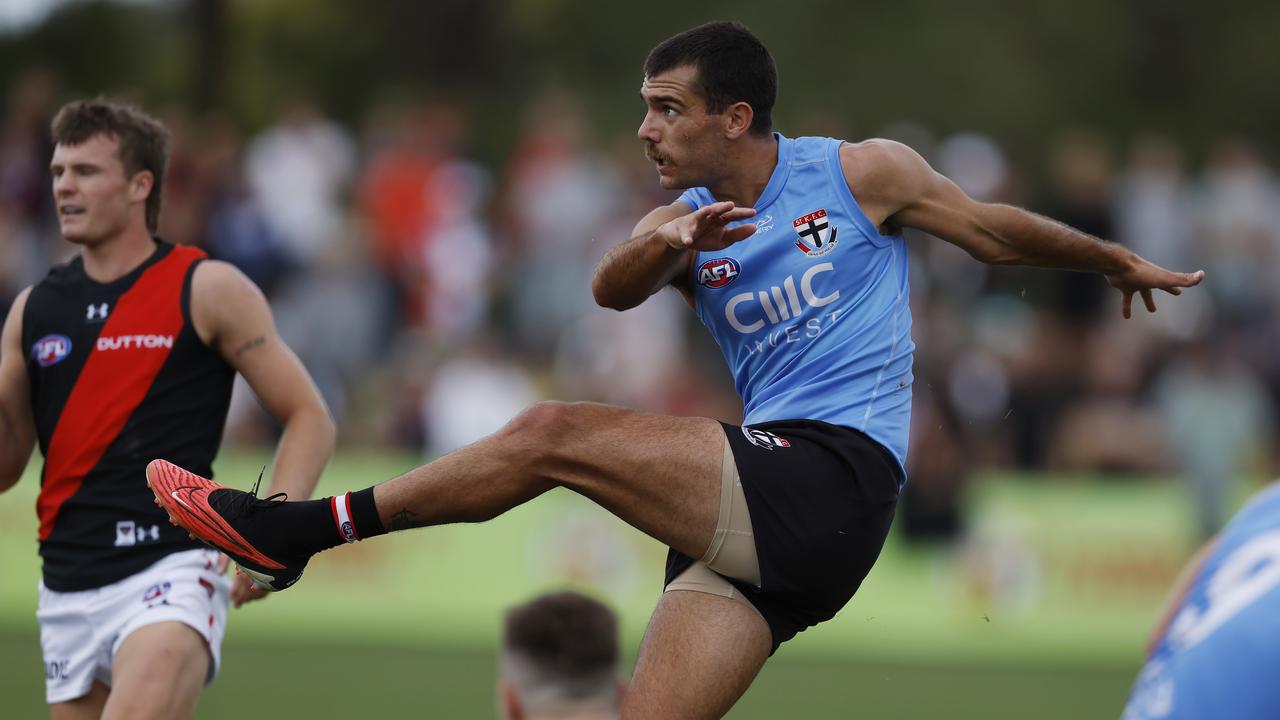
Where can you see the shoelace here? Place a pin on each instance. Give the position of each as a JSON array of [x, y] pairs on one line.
[[245, 503]]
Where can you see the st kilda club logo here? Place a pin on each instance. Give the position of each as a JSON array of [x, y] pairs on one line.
[[765, 439], [718, 272], [817, 236]]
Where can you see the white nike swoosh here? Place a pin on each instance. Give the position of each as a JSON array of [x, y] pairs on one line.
[[184, 504]]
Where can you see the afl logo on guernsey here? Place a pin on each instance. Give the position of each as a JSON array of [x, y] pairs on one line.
[[719, 272], [51, 349]]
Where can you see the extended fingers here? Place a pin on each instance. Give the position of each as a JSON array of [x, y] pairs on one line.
[[707, 212], [1180, 280], [737, 213], [1149, 300], [721, 213]]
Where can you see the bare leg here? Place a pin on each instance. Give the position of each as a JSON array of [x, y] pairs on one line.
[[158, 672], [660, 474], [87, 707], [699, 655]]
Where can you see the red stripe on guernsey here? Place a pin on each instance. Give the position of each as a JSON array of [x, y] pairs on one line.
[[113, 383]]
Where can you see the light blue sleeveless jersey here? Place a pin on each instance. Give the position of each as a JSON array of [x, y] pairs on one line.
[[812, 311], [1220, 657]]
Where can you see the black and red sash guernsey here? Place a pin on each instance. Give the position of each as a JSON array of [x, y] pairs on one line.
[[118, 377]]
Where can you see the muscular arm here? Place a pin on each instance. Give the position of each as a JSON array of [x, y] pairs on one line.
[[232, 316], [17, 427], [633, 270], [660, 250], [897, 188]]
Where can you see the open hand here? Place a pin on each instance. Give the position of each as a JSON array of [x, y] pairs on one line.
[[1142, 277], [242, 589], [704, 228]]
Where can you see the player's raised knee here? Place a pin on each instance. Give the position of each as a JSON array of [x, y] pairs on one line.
[[551, 420]]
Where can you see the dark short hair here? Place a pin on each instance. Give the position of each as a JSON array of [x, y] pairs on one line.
[[568, 640], [732, 65], [143, 140]]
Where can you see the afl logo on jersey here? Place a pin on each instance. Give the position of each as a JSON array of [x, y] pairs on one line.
[[51, 349], [719, 272]]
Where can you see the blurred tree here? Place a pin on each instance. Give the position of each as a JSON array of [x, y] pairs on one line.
[[1021, 72]]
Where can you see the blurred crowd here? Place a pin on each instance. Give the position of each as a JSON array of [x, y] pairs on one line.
[[433, 296]]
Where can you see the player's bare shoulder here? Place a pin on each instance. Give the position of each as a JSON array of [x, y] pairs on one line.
[[11, 335], [884, 175], [13, 321], [221, 297]]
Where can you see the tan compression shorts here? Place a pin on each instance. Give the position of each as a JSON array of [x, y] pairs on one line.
[[733, 547]]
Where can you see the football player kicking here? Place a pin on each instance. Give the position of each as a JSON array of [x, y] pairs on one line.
[[790, 250]]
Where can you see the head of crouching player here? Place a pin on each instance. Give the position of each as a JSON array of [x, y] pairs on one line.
[[559, 659]]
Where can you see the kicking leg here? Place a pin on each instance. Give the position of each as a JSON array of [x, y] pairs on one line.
[[699, 655], [661, 474]]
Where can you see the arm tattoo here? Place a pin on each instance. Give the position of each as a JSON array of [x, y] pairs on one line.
[[404, 520], [256, 342]]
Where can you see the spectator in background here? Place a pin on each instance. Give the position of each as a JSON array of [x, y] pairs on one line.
[[1080, 179], [1217, 418], [1106, 427], [298, 170], [402, 196], [560, 198], [237, 231], [26, 214], [1152, 202], [1238, 235], [457, 253], [559, 659], [473, 393], [187, 187]]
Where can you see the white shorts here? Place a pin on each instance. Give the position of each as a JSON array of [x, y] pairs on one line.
[[80, 632]]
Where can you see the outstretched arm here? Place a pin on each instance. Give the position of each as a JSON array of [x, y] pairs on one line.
[[896, 187], [660, 250], [17, 427], [232, 316]]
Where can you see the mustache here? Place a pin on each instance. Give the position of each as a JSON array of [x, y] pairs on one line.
[[651, 152]]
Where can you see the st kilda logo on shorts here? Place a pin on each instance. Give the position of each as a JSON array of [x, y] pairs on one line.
[[765, 439], [817, 236], [718, 272]]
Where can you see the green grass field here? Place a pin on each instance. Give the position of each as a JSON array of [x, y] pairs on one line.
[[309, 680], [1041, 613]]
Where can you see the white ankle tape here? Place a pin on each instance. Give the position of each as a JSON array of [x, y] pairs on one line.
[[342, 516]]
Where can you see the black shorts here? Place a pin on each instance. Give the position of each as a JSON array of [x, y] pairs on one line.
[[821, 499]]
